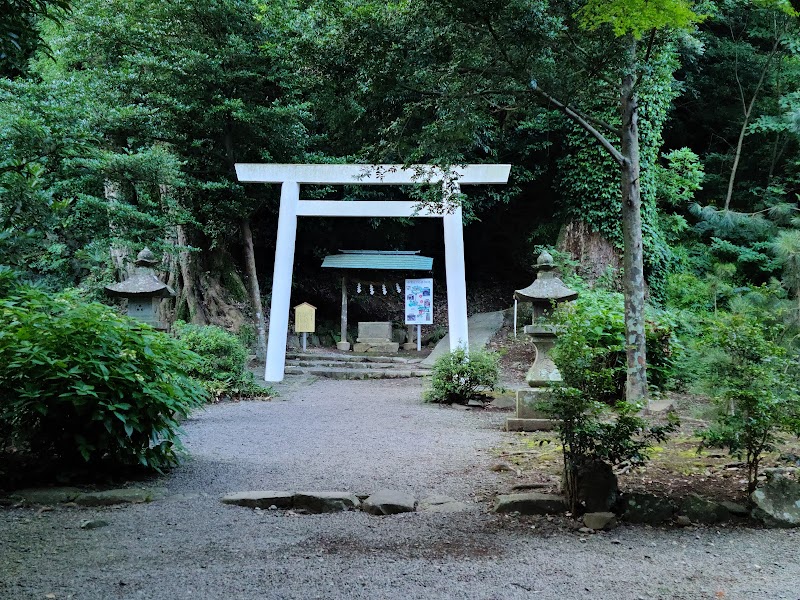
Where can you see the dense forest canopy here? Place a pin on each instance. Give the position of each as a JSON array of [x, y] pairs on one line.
[[121, 120]]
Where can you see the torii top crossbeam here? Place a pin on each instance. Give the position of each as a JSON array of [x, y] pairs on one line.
[[291, 176], [370, 174]]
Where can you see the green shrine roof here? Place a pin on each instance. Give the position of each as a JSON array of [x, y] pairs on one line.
[[392, 260]]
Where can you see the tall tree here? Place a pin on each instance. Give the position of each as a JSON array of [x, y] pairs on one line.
[[205, 81], [447, 71]]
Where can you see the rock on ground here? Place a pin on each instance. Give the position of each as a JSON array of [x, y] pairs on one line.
[[600, 520], [326, 502], [532, 503], [646, 508], [389, 502], [701, 510], [260, 499], [777, 502]]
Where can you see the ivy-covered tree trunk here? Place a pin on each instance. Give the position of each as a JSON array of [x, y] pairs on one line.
[[633, 258]]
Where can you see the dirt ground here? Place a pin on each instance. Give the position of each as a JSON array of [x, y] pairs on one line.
[[677, 467]]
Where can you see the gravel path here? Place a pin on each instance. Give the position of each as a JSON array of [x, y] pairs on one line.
[[361, 436]]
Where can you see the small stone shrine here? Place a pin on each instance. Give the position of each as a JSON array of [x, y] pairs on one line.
[[143, 290], [375, 336], [543, 293]]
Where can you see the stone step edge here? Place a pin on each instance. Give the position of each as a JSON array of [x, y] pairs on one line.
[[353, 365], [356, 373], [358, 358]]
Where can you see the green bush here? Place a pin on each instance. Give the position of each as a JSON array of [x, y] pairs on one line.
[[222, 369], [79, 381], [457, 377], [590, 432], [755, 387], [590, 348]]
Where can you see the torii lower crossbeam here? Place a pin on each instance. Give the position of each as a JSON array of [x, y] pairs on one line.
[[290, 176]]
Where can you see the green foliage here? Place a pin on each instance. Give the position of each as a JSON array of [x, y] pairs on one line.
[[590, 432], [756, 389], [19, 31], [80, 382], [458, 377], [590, 348], [223, 360], [637, 17]]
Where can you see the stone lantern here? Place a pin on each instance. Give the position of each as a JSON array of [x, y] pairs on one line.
[[143, 290], [543, 293]]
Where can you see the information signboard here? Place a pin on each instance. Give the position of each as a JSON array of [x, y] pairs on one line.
[[419, 302]]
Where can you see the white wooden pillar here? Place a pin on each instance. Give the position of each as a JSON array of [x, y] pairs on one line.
[[282, 282], [456, 278]]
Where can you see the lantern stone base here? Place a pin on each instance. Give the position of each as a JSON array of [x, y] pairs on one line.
[[343, 346], [529, 417]]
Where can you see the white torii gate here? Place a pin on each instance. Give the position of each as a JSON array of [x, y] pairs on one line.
[[291, 176]]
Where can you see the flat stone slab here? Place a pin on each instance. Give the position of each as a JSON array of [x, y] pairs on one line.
[[441, 504], [515, 424], [376, 347], [389, 502], [260, 499], [532, 503], [111, 497], [373, 331], [326, 502], [46, 496]]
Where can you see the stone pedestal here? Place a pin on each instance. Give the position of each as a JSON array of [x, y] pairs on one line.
[[375, 337], [543, 371], [540, 377], [411, 337], [343, 346]]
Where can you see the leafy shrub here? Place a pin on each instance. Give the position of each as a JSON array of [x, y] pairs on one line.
[[457, 376], [222, 368], [79, 381], [755, 387], [590, 348], [592, 433]]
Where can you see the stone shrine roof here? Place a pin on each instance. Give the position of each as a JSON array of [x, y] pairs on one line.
[[393, 260], [143, 283]]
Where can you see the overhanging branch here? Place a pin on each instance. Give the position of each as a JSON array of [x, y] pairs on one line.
[[584, 122]]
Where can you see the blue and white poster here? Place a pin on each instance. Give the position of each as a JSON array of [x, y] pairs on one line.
[[419, 301]]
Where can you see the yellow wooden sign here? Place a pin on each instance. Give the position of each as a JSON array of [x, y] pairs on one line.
[[304, 317]]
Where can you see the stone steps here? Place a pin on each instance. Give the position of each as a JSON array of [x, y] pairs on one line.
[[356, 373], [353, 366], [351, 358]]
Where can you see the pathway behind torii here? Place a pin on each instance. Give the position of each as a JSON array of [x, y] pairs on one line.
[[482, 328]]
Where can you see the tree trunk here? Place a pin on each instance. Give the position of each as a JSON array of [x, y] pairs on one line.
[[119, 254], [747, 109], [633, 257], [254, 289], [189, 293]]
